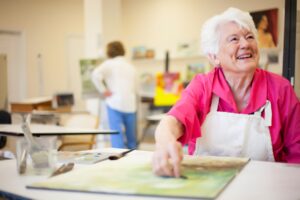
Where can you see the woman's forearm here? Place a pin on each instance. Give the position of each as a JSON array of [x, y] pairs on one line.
[[169, 129], [168, 151]]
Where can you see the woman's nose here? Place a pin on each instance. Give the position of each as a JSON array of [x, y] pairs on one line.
[[244, 43]]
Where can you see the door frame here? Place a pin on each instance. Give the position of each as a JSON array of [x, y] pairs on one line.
[[289, 50], [16, 72]]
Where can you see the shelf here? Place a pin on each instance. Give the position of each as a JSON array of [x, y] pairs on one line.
[[183, 58]]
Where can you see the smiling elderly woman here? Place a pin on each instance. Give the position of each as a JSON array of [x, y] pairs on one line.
[[236, 109]]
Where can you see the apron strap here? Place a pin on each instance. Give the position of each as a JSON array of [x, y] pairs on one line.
[[268, 113], [266, 107]]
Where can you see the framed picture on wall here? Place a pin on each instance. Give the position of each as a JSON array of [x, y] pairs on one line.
[[266, 22], [86, 68]]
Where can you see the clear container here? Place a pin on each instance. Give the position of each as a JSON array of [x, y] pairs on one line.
[[36, 161]]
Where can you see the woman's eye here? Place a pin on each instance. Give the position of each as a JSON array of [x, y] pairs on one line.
[[250, 37], [233, 39]]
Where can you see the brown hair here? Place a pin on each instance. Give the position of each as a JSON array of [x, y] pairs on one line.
[[114, 49]]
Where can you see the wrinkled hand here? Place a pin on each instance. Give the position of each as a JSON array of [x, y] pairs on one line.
[[167, 158]]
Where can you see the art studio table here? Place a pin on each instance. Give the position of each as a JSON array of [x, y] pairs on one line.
[[49, 130], [14, 131], [257, 180]]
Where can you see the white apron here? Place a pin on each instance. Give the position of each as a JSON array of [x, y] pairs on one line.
[[236, 135]]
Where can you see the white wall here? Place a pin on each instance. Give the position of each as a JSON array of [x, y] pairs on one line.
[[158, 24], [162, 24], [112, 23], [47, 25]]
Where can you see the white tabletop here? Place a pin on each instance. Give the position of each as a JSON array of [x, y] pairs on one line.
[[46, 130], [258, 180], [156, 117]]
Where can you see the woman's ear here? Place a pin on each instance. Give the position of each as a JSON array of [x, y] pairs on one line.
[[213, 59]]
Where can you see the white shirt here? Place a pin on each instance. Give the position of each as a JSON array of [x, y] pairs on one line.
[[120, 78]]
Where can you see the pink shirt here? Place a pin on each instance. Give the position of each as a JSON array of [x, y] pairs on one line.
[[195, 101]]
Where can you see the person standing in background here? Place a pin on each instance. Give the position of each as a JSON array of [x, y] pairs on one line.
[[115, 79]]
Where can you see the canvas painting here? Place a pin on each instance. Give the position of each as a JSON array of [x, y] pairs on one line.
[[168, 88], [81, 157], [202, 177], [86, 68], [266, 22]]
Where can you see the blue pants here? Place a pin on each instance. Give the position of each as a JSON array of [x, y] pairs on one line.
[[122, 121]]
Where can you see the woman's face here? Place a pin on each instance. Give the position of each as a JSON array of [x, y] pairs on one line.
[[238, 51]]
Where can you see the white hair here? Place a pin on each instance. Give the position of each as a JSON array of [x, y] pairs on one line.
[[210, 34]]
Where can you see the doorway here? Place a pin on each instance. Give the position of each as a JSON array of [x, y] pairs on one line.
[[3, 82], [12, 45]]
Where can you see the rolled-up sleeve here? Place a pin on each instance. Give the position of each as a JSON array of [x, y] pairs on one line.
[[98, 77]]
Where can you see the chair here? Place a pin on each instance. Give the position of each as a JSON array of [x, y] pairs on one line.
[[5, 118], [7, 144], [79, 142]]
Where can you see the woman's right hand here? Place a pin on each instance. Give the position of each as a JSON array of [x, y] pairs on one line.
[[107, 93], [168, 153], [167, 159]]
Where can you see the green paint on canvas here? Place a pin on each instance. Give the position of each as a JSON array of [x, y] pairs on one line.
[[206, 177]]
